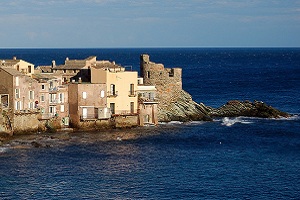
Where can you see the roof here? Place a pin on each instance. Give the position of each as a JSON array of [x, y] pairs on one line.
[[44, 69], [43, 76], [70, 66], [9, 62], [12, 71]]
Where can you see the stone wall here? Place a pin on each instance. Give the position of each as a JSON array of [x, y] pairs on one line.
[[26, 122]]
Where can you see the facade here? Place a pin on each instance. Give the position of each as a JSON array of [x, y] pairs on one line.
[[121, 87], [53, 96], [84, 93], [19, 65], [147, 104], [87, 102], [22, 94]]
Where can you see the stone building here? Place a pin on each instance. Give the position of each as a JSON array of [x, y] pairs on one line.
[[22, 92], [19, 65]]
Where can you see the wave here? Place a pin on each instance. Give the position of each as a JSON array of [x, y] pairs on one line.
[[226, 121]]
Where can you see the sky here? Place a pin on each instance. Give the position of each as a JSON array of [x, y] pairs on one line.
[[149, 23]]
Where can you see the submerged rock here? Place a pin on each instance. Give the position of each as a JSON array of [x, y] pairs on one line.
[[237, 108]]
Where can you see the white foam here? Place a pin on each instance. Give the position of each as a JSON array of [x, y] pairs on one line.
[[3, 149], [226, 121]]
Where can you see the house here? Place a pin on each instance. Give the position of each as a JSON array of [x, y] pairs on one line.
[[21, 97], [120, 86], [88, 103], [53, 96], [19, 65], [147, 104]]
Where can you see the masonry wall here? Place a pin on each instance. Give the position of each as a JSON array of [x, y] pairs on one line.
[[168, 81]]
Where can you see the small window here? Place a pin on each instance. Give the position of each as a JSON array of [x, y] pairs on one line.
[[62, 108], [42, 98], [64, 71], [31, 94], [17, 93], [84, 95], [17, 81], [148, 74], [102, 93], [29, 69], [43, 87], [131, 107]]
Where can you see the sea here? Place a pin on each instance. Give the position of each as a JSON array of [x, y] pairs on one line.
[[229, 158]]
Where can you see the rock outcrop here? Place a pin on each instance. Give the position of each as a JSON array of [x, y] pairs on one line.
[[237, 108], [183, 109]]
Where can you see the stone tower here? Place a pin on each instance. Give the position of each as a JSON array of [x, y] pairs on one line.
[[174, 102]]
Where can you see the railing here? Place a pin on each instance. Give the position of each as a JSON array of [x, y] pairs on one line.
[[112, 93], [88, 117], [124, 113], [46, 115]]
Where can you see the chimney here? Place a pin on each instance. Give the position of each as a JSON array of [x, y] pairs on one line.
[[15, 58], [53, 63], [79, 80]]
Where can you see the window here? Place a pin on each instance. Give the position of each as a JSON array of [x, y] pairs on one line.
[[30, 105], [112, 89], [112, 108], [29, 69], [18, 105], [42, 98], [52, 109], [148, 74], [52, 98], [43, 87], [31, 94], [84, 95], [17, 81], [51, 85], [131, 91], [102, 94], [17, 93], [62, 108], [61, 98], [131, 107], [64, 71]]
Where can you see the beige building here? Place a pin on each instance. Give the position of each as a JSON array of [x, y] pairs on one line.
[[121, 87], [87, 102], [19, 65]]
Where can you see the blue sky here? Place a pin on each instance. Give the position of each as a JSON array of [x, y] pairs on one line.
[[149, 23]]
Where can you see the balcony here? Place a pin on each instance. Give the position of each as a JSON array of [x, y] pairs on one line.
[[112, 93]]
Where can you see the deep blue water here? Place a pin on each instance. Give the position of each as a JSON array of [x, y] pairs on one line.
[[236, 158]]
